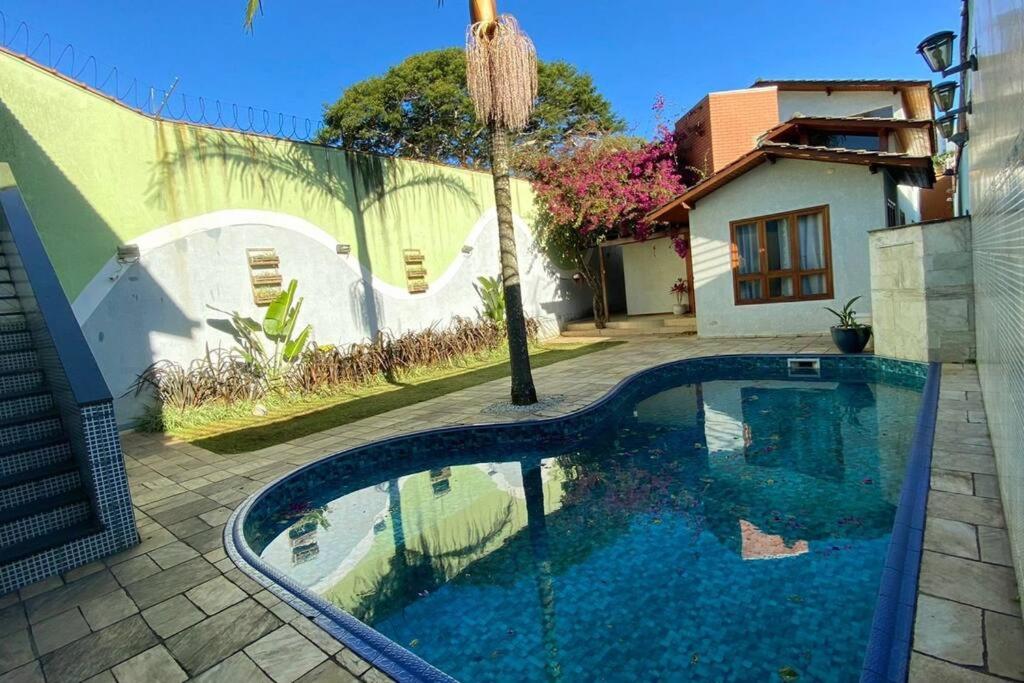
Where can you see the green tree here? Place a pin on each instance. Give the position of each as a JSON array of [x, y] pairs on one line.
[[421, 109]]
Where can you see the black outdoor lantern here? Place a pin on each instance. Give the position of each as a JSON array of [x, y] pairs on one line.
[[937, 50], [943, 95], [946, 125]]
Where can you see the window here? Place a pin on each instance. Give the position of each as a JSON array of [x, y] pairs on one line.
[[783, 257], [871, 142]]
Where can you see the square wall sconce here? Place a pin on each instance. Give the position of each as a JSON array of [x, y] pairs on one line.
[[344, 249], [128, 253], [467, 249]]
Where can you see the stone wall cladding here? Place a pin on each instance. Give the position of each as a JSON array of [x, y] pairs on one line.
[[922, 291]]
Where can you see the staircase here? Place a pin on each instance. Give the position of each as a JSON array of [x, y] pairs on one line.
[[42, 500], [634, 326], [64, 497]]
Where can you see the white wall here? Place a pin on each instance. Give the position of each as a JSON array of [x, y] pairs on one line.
[[837, 104], [163, 307], [856, 205], [650, 269]]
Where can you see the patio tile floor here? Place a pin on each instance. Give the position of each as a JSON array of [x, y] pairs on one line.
[[176, 607]]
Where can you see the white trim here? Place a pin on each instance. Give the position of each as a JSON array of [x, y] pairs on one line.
[[103, 282]]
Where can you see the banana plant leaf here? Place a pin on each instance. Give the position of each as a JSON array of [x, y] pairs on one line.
[[293, 347], [277, 313]]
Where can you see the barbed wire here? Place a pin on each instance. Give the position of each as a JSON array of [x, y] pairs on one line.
[[162, 103]]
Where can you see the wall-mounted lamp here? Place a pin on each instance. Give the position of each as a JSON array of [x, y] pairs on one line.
[[128, 253], [937, 50], [467, 249], [344, 249], [943, 95], [947, 128]]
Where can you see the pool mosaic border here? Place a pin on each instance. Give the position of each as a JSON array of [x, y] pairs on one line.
[[888, 651]]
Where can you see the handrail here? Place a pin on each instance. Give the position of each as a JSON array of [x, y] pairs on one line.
[[42, 292]]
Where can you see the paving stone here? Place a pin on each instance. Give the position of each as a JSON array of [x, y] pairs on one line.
[[1005, 639], [12, 619], [995, 545], [40, 587], [215, 595], [949, 630], [172, 616], [56, 632], [29, 673], [187, 527], [950, 537], [972, 583], [83, 571], [237, 577], [377, 676], [110, 608], [105, 677], [970, 509], [134, 569], [285, 655], [15, 650], [925, 669], [986, 486], [98, 651], [982, 463], [353, 662], [173, 554], [328, 672], [208, 540], [71, 595], [237, 668], [953, 482], [155, 665], [321, 638], [216, 517], [150, 541], [199, 647], [170, 582]]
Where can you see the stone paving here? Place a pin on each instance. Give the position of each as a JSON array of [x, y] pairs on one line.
[[175, 608]]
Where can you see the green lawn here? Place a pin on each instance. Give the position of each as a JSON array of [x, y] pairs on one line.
[[234, 429]]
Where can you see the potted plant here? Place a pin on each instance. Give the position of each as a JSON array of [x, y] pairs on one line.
[[681, 289], [849, 336]]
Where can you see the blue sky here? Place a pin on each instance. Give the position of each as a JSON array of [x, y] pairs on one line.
[[304, 52]]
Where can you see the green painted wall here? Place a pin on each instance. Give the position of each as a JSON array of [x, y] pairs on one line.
[[96, 174]]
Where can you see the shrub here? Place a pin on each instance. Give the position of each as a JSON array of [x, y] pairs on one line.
[[228, 377]]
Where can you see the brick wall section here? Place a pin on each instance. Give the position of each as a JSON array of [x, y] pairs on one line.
[[724, 126], [737, 118]]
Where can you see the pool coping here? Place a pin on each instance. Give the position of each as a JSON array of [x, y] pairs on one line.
[[893, 620]]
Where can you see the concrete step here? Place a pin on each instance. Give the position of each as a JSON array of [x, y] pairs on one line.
[[670, 331], [640, 324]]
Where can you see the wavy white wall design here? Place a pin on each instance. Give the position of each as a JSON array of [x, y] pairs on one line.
[[164, 305]]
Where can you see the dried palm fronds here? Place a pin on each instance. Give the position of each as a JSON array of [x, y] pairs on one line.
[[501, 71]]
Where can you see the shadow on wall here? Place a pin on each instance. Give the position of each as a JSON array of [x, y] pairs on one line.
[[55, 202], [331, 181]]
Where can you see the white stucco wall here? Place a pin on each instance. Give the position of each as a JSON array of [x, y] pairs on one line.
[[837, 104], [163, 307], [856, 204], [650, 268]]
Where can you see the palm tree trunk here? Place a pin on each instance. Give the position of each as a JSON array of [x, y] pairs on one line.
[[523, 391]]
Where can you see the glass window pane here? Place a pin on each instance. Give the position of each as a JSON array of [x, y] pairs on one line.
[[780, 287], [812, 284], [750, 290], [811, 235], [778, 244], [747, 249]]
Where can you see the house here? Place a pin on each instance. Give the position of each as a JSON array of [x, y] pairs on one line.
[[791, 176]]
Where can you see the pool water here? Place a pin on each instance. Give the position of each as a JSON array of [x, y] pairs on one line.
[[723, 530]]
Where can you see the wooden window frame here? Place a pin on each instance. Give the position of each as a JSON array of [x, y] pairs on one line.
[[794, 245]]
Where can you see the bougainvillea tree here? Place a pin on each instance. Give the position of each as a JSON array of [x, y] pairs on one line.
[[599, 189]]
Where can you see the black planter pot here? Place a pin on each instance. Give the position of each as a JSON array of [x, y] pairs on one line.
[[851, 339]]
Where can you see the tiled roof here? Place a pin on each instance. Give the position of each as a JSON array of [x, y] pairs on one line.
[[768, 146], [840, 82]]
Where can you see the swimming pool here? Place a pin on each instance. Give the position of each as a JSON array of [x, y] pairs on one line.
[[729, 518]]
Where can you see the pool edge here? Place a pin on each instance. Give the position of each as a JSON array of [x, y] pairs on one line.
[[403, 665]]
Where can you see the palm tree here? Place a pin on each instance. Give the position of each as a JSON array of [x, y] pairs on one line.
[[501, 71]]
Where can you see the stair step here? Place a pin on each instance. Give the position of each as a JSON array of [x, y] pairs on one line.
[[43, 515], [15, 381], [614, 332], [10, 304], [18, 360], [25, 428], [43, 472], [15, 340], [29, 455], [39, 483], [53, 539], [25, 403], [16, 420], [12, 322]]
